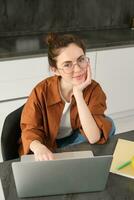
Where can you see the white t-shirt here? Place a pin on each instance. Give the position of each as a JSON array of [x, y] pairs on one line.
[[65, 124]]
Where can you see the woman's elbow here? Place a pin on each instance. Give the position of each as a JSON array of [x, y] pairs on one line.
[[94, 140]]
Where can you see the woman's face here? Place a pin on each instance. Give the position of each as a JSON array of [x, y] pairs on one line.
[[71, 56]]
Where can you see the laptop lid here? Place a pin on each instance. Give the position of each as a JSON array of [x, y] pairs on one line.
[[61, 176]]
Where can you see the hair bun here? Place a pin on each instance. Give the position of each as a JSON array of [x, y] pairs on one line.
[[51, 38]]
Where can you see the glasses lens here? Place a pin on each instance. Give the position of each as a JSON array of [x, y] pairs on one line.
[[82, 62], [68, 68]]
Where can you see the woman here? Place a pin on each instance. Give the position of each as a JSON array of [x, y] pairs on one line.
[[67, 108]]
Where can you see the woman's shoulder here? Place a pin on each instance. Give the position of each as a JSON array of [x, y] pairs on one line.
[[47, 82], [44, 89], [94, 84], [94, 87]]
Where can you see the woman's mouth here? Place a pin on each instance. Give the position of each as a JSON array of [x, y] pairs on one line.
[[79, 77]]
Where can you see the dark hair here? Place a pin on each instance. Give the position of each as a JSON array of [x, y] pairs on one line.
[[57, 41]]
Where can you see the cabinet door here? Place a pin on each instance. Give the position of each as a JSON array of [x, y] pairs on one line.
[[18, 77], [92, 56], [115, 73]]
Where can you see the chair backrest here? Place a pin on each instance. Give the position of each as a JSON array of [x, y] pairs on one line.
[[10, 135]]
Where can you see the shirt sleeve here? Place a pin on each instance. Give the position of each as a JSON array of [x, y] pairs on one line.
[[31, 123], [97, 106]]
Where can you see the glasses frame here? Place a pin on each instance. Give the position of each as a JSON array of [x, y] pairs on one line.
[[75, 63]]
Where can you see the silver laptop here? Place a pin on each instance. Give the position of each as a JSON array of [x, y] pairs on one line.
[[69, 172]]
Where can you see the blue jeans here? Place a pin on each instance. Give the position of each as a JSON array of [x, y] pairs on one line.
[[76, 137], [113, 129]]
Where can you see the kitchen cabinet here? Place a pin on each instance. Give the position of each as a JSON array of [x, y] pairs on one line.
[[115, 73], [8, 107], [18, 77]]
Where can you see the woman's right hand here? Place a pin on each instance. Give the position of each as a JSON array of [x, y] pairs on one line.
[[40, 151]]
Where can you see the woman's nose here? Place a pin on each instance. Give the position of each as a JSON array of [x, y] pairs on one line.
[[76, 67]]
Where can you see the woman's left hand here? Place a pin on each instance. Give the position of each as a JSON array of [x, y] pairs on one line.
[[82, 86]]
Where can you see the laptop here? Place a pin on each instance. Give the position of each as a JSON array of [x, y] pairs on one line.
[[69, 172]]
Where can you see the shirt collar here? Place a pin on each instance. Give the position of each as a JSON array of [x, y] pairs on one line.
[[53, 93]]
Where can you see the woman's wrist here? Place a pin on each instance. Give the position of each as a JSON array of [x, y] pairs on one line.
[[78, 94], [35, 145]]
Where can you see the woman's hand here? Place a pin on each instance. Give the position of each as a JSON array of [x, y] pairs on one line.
[[82, 86], [40, 151]]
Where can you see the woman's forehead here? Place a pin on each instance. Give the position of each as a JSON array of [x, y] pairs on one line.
[[69, 53]]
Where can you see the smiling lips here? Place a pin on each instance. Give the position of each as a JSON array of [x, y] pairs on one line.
[[79, 77]]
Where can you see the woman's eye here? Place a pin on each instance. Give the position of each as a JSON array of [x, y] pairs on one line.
[[81, 60], [67, 65]]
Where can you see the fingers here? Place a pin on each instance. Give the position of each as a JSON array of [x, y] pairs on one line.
[[89, 73], [43, 153], [41, 157], [88, 78]]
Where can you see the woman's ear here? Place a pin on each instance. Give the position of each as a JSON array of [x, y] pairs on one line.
[[55, 70]]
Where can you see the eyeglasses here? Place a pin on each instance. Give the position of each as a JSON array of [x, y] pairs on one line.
[[68, 67]]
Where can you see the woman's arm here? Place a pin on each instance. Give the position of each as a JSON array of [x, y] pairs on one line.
[[33, 135], [40, 151], [88, 123]]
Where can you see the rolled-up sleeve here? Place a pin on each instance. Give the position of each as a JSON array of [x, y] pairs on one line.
[[97, 106], [31, 124]]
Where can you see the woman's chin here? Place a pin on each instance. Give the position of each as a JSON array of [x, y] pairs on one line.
[[78, 82]]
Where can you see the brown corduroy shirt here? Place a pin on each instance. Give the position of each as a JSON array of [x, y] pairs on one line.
[[42, 113]]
